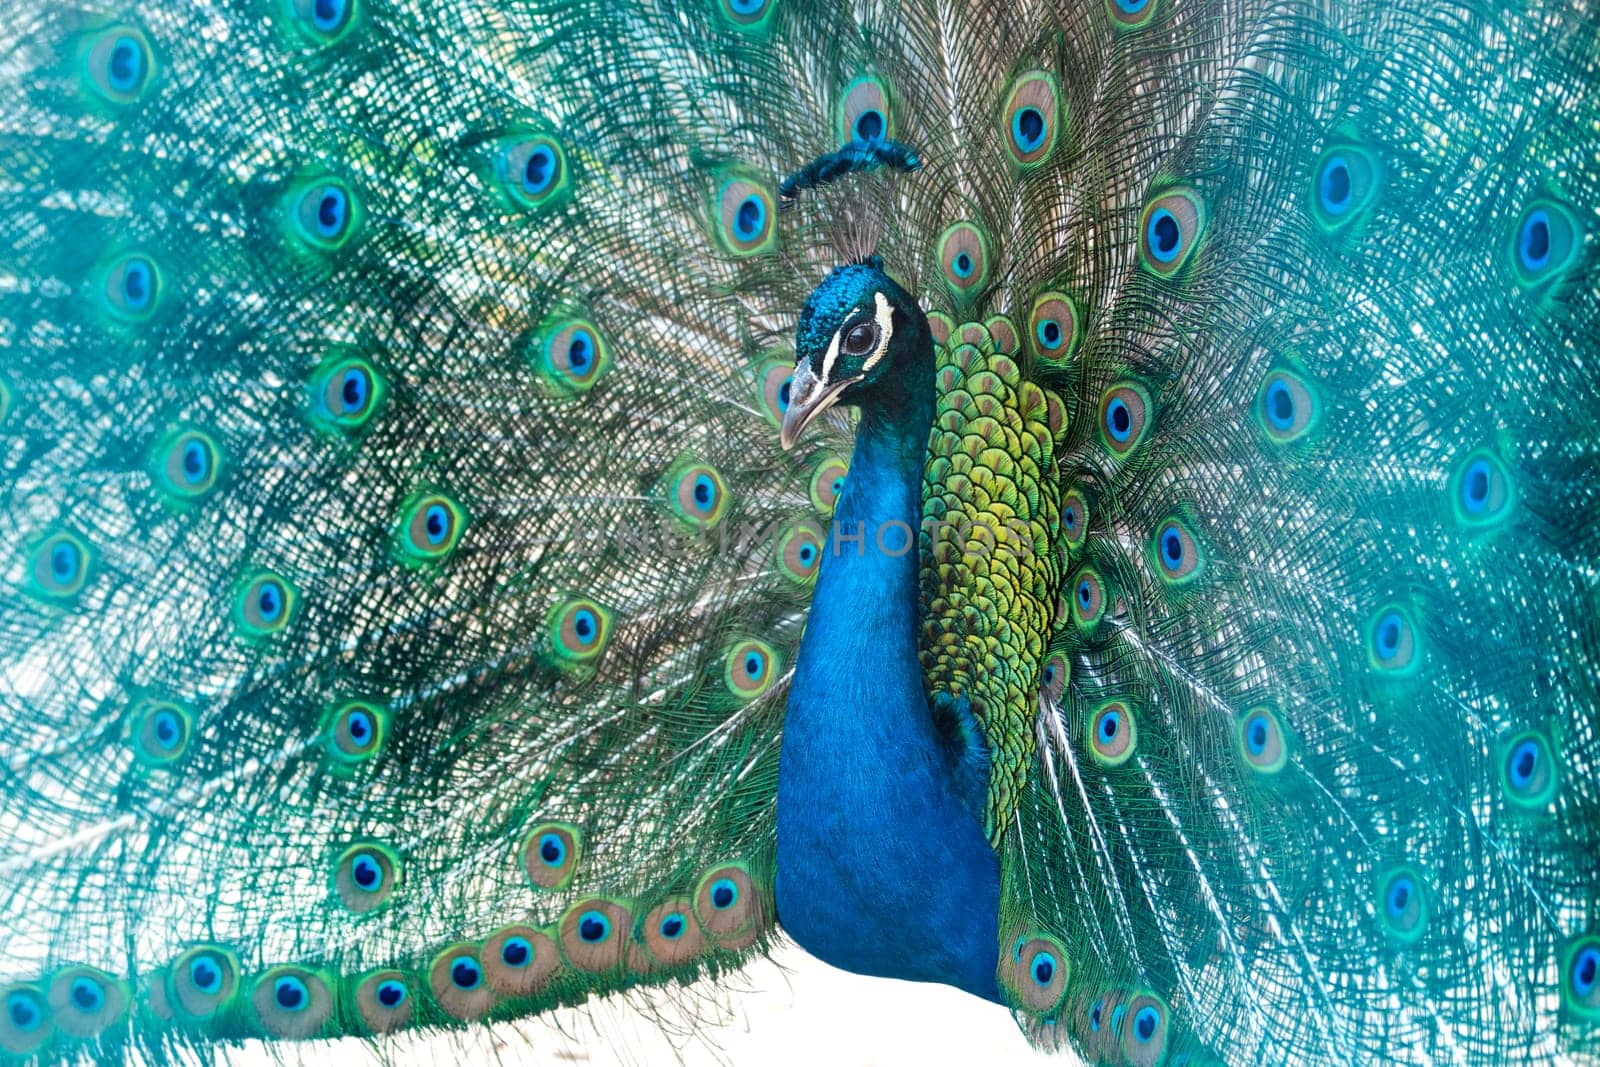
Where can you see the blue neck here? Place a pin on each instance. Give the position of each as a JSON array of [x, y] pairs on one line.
[[881, 868]]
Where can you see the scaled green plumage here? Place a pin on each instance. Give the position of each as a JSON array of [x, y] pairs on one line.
[[400, 577]]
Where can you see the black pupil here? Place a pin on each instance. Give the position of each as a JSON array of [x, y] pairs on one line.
[[1401, 896], [1338, 184], [550, 851], [61, 562], [1173, 547], [352, 390], [1282, 405], [358, 727], [1032, 124], [1052, 333], [1538, 239], [860, 339], [583, 627], [205, 976], [389, 995], [83, 995], [1094, 1016], [1166, 234], [366, 873], [702, 493], [133, 284], [578, 353], [1108, 727], [1083, 592], [722, 896], [1043, 970], [537, 169], [869, 126], [1147, 1026], [672, 927], [192, 461], [1390, 637], [783, 393], [591, 929], [288, 995], [21, 1012], [752, 665], [1119, 419], [464, 974], [515, 953], [1478, 486], [1258, 733], [1586, 969], [165, 730], [1525, 761], [269, 600], [963, 263], [326, 10], [328, 211]]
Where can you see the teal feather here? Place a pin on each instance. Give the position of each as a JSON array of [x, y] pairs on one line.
[[404, 582]]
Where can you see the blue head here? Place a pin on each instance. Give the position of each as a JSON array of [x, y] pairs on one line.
[[861, 340]]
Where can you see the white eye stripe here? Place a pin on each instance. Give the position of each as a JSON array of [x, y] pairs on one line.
[[885, 317], [830, 359]]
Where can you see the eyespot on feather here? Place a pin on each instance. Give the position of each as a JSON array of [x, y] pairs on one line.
[[1546, 242], [1175, 553], [1113, 733], [323, 213], [457, 983], [60, 567], [531, 169], [865, 112], [186, 465], [594, 934], [1125, 412], [25, 1023], [1262, 743], [1054, 327], [1030, 118], [201, 981], [1580, 978], [1481, 491], [1402, 904], [1034, 973], [292, 1003], [672, 933], [1393, 644], [1074, 518], [131, 289], [696, 494], [1170, 230], [750, 668], [355, 731], [963, 254], [1287, 406], [550, 854], [799, 552], [321, 22], [263, 605], [118, 64], [519, 961], [570, 356], [159, 731], [744, 216], [1344, 184], [728, 906], [430, 528], [1088, 599], [365, 877], [1144, 1035], [1529, 777], [748, 16], [1053, 678], [346, 391], [827, 483], [385, 1002], [578, 631], [773, 380], [1132, 14], [85, 1001]]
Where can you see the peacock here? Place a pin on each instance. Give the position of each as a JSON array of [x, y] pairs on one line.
[[1095, 503]]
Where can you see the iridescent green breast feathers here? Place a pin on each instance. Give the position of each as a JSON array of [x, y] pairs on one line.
[[402, 576]]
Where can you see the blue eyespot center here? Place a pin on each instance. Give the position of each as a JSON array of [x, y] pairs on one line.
[[1145, 1022], [808, 553], [1097, 1014], [1028, 128], [1119, 420], [745, 7], [205, 976], [290, 993], [126, 65], [1044, 968], [1279, 402], [672, 927], [24, 1013], [749, 218], [1049, 333], [870, 125], [1110, 722], [353, 390], [783, 393], [593, 927], [1533, 243], [552, 850], [754, 665], [580, 352], [195, 462], [1085, 593], [539, 171], [359, 726], [1523, 764], [516, 952], [138, 287], [331, 212], [327, 14], [167, 730], [1255, 734], [1334, 186], [465, 973], [1586, 971], [1164, 235], [65, 558], [1171, 549], [437, 523], [87, 995], [585, 626], [391, 993], [1475, 486], [1399, 897], [704, 490], [269, 601], [963, 265], [1388, 635], [723, 894], [366, 873]]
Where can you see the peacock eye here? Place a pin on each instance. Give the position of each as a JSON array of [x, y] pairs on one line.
[[861, 339]]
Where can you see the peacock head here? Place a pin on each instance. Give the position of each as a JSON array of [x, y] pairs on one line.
[[860, 335]]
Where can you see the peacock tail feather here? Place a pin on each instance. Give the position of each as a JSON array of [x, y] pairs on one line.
[[404, 577]]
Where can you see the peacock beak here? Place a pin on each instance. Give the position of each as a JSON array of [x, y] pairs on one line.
[[809, 397]]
